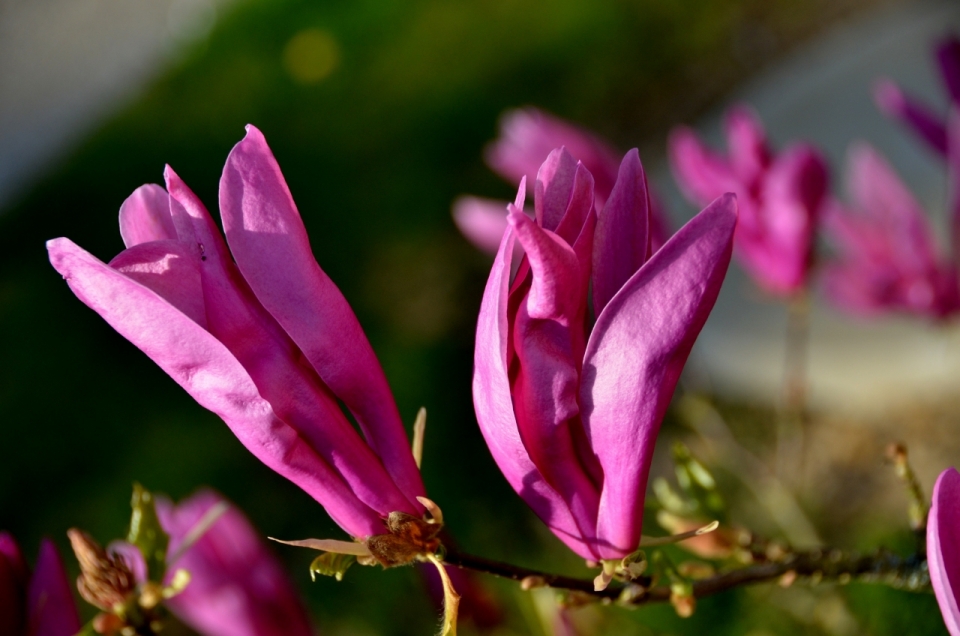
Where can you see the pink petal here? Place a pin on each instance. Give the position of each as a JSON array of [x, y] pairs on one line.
[[481, 221], [212, 376], [295, 392], [494, 407], [145, 216], [271, 247], [701, 174], [528, 135], [943, 546], [948, 56], [793, 192], [893, 103], [877, 191], [132, 556], [50, 604], [169, 268], [553, 189], [634, 357], [546, 380], [622, 240], [747, 142], [237, 586]]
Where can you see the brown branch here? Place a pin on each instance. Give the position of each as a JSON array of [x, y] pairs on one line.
[[817, 565]]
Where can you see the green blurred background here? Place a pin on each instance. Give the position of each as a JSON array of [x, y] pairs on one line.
[[377, 112]]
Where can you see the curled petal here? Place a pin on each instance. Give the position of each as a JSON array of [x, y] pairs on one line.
[[494, 408], [633, 361], [145, 216]]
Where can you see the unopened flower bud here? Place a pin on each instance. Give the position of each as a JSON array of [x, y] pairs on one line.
[[105, 580]]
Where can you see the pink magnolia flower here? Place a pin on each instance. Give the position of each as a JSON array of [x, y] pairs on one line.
[[887, 254], [237, 587], [256, 333], [925, 122], [779, 196], [527, 136], [943, 546], [38, 603], [571, 412]]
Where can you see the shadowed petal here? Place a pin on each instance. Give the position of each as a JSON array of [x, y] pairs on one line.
[[943, 546], [494, 408], [237, 586], [634, 357], [948, 56], [204, 367], [622, 240], [893, 103], [270, 244], [145, 216], [52, 611]]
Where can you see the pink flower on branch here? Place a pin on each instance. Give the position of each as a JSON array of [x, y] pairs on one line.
[[929, 125], [779, 196], [256, 333], [943, 547], [38, 603], [887, 257], [237, 586], [570, 407], [527, 136]]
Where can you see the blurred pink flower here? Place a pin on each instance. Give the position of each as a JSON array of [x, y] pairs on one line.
[[925, 122], [37, 604], [887, 255], [237, 586], [779, 196], [569, 412], [258, 334], [943, 546], [527, 136]]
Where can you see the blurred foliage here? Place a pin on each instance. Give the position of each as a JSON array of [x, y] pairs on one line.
[[377, 111]]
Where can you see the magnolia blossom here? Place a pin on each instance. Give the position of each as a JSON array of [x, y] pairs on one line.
[[887, 254], [925, 122], [256, 333], [237, 587], [527, 136], [570, 406], [943, 546], [779, 196], [38, 603]]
